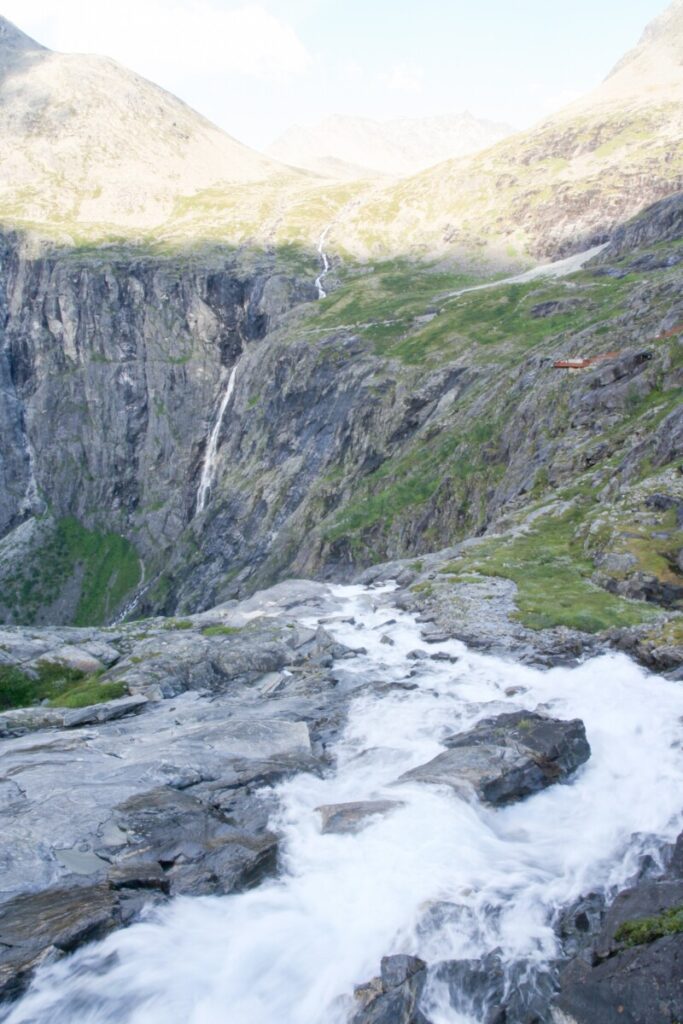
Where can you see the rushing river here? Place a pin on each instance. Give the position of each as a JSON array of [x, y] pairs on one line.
[[291, 951]]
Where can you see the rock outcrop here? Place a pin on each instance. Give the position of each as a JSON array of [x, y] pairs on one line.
[[631, 973], [507, 758]]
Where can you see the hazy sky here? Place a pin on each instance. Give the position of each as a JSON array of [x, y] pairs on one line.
[[255, 68]]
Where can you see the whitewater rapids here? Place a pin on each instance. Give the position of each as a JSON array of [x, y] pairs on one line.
[[291, 951]]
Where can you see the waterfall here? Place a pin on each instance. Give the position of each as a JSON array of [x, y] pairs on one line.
[[209, 467], [322, 294]]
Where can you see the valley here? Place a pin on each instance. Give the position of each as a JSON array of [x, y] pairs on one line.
[[341, 558]]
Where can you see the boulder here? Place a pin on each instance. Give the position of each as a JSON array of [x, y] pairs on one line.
[[393, 997], [71, 657], [633, 972], [507, 758]]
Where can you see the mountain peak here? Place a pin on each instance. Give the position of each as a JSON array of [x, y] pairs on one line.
[[14, 41], [655, 64]]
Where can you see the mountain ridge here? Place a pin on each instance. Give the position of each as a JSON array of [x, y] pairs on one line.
[[396, 147]]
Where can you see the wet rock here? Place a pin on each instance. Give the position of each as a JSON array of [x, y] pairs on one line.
[[201, 849], [578, 924], [394, 997], [495, 992], [507, 758], [352, 817], [48, 924], [630, 975], [637, 986]]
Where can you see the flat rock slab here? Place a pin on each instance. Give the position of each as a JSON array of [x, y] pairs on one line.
[[352, 817], [24, 720], [507, 758]]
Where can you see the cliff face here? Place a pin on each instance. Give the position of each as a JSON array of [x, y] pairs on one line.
[[110, 372], [350, 435]]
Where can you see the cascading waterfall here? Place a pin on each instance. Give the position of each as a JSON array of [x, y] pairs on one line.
[[291, 950], [209, 467], [322, 294]]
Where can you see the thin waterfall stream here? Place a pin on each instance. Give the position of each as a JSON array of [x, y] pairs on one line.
[[439, 876], [326, 266], [209, 466]]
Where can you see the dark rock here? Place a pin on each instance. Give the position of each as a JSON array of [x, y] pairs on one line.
[[217, 844], [641, 985], [395, 970], [507, 758], [39, 925], [578, 924], [494, 992], [393, 998], [624, 979]]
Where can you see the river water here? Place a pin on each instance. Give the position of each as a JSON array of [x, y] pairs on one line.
[[291, 951]]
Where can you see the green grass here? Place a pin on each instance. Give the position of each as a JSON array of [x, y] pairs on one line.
[[178, 624], [59, 685], [552, 574], [462, 458], [649, 929], [221, 630], [107, 563]]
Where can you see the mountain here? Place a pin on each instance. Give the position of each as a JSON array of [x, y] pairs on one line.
[[85, 141], [398, 147], [560, 186], [650, 73]]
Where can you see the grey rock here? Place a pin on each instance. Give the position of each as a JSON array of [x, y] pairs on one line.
[[352, 817], [49, 924], [507, 758], [495, 992], [21, 720], [394, 997]]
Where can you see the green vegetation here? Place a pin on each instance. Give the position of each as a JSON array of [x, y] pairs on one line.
[[552, 574], [103, 566], [178, 624], [57, 684], [221, 630], [464, 461], [649, 929]]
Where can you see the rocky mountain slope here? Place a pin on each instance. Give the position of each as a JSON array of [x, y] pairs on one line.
[[86, 142], [400, 415], [398, 147], [562, 185]]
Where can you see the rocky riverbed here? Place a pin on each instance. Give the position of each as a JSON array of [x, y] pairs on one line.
[[305, 782]]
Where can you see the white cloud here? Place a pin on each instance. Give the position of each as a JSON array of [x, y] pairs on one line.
[[188, 36], [403, 78]]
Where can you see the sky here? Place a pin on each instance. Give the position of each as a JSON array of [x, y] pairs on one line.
[[257, 68]]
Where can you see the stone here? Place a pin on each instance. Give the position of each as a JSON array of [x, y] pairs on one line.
[[394, 997], [71, 657], [352, 817], [494, 992], [54, 922], [615, 982], [507, 758]]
